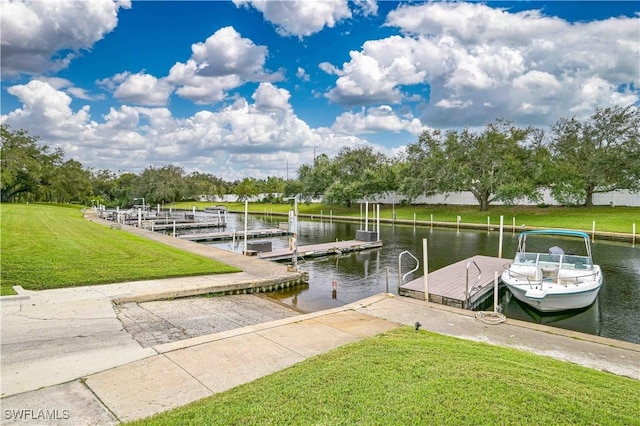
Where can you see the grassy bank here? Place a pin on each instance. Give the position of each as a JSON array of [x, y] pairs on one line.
[[405, 377], [608, 219], [46, 246]]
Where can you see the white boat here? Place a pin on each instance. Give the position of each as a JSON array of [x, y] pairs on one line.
[[552, 280]]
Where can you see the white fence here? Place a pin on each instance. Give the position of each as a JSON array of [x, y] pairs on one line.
[[613, 198]]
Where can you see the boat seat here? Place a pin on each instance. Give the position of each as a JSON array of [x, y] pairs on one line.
[[527, 272], [568, 276]]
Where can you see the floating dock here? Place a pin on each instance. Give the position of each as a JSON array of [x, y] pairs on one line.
[[239, 235], [185, 225], [319, 250], [448, 286]]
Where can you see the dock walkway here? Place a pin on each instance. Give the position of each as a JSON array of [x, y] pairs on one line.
[[225, 236], [448, 285], [324, 249], [185, 225]]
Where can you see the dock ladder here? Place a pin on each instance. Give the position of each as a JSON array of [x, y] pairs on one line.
[[467, 292], [400, 276]]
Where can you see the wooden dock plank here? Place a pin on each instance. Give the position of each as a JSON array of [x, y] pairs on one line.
[[448, 285], [324, 249], [224, 236], [187, 225]]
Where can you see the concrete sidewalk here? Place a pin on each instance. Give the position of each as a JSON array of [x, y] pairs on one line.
[[181, 372]]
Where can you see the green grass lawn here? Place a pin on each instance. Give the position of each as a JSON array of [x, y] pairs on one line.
[[405, 377], [608, 219], [47, 246]]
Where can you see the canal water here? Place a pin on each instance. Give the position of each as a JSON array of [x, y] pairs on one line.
[[338, 280]]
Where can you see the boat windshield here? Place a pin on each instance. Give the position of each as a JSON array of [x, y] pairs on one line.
[[563, 261], [555, 244]]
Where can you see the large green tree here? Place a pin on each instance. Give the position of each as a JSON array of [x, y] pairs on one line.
[[359, 173], [103, 183], [204, 184], [26, 167], [124, 189], [70, 183], [313, 179], [246, 188], [161, 185], [496, 164], [353, 174], [601, 154]]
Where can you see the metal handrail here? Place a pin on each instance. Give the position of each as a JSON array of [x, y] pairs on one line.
[[400, 276], [467, 292], [518, 275]]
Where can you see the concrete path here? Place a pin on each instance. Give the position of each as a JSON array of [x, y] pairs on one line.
[[181, 372], [60, 335]]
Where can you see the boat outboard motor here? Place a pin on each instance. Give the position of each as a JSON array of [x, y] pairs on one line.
[[555, 250], [555, 253]]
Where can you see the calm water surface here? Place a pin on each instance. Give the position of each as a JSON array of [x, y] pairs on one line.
[[615, 313]]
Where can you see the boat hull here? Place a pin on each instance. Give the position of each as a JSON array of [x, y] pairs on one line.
[[552, 297]]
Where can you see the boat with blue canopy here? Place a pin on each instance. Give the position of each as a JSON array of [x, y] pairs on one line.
[[553, 270]]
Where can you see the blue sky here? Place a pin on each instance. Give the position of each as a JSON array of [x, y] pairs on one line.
[[251, 88]]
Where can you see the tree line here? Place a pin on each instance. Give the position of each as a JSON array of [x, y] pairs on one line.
[[503, 162]]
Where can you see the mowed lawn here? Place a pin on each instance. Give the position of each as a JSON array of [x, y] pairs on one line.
[[48, 246], [407, 377]]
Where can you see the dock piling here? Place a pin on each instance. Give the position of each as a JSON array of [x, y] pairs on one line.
[[246, 217], [501, 235], [495, 291], [426, 269]]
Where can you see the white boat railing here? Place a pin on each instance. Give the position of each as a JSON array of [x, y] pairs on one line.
[[563, 268], [523, 277]]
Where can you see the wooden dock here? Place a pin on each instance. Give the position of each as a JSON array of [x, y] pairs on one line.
[[319, 250], [226, 236], [447, 286], [186, 225]]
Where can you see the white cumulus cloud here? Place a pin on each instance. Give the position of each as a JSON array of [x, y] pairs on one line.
[[302, 74], [34, 32], [269, 98], [139, 89], [47, 112], [260, 136], [303, 18], [223, 62], [488, 62], [377, 73], [376, 119]]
